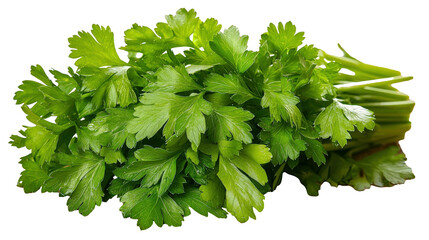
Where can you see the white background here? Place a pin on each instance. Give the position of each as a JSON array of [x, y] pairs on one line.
[[389, 33]]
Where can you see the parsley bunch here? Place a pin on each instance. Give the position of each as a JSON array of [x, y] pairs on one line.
[[212, 127]]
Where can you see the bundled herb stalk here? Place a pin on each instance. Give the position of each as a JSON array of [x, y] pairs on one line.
[[210, 128]]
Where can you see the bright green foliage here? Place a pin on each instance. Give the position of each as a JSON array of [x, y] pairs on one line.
[[284, 37], [80, 178], [29, 93], [184, 115], [192, 198], [173, 80], [205, 31], [41, 142], [96, 49], [228, 121], [188, 115], [109, 127], [241, 195], [338, 119], [213, 192], [151, 115], [183, 23], [249, 160], [193, 119], [315, 151], [65, 82], [33, 177], [148, 207], [231, 84], [161, 167], [384, 168], [282, 106], [233, 49], [230, 149], [109, 86], [285, 143]]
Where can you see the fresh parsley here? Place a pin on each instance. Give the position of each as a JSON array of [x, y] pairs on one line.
[[193, 119]]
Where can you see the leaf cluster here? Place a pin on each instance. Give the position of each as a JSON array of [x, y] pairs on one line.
[[209, 128]]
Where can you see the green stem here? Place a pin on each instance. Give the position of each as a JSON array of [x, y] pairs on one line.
[[371, 83], [390, 120], [376, 91], [358, 66], [408, 104], [361, 98], [277, 175]]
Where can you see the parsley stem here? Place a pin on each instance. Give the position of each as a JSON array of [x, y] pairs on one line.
[[357, 66], [379, 92], [371, 83]]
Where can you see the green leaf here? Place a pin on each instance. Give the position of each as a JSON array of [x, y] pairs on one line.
[[230, 84], [41, 142], [335, 169], [310, 179], [205, 32], [183, 23], [319, 85], [17, 141], [174, 34], [233, 49], [202, 36], [112, 125], [38, 72], [65, 82], [151, 115], [213, 191], [228, 121], [58, 102], [192, 155], [80, 178], [148, 207], [383, 168], [209, 149], [177, 187], [259, 153], [184, 114], [154, 165], [284, 142], [29, 93], [112, 156], [230, 149], [119, 187], [139, 34], [96, 49], [143, 39], [110, 86], [88, 140], [174, 80], [33, 175], [315, 151], [199, 173], [338, 119], [249, 161], [187, 115], [283, 38], [241, 195], [192, 199], [282, 106]]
